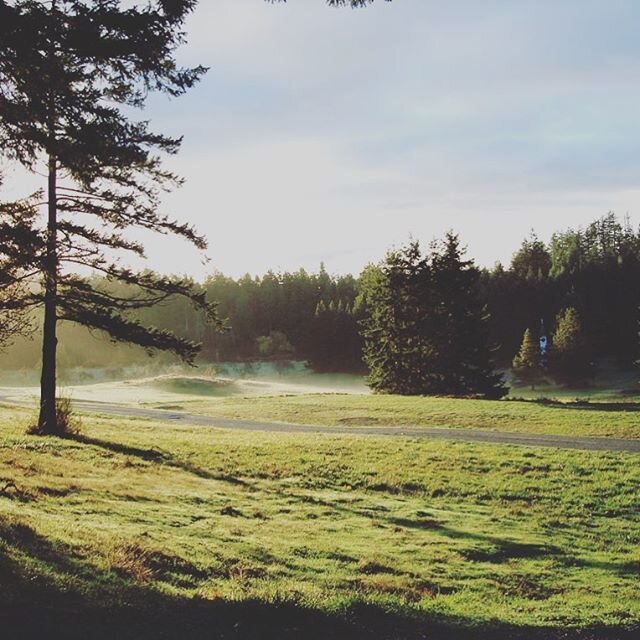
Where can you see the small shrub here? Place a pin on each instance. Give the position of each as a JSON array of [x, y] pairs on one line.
[[68, 424], [131, 559], [137, 560]]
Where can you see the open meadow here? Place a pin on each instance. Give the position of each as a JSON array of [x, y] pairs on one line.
[[598, 419], [142, 529], [373, 373]]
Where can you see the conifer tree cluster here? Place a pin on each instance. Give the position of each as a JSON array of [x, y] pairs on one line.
[[570, 354], [594, 269], [425, 331]]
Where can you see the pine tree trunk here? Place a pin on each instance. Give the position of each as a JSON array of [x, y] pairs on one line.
[[47, 422]]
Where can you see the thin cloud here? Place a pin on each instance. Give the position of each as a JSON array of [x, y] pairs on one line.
[[335, 133]]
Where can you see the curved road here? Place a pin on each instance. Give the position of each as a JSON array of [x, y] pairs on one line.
[[462, 435], [435, 433]]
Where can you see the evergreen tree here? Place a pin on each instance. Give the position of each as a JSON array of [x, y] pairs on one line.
[[425, 330], [570, 355], [70, 73], [335, 344], [394, 345], [276, 345], [527, 365], [465, 357], [17, 241], [532, 260]]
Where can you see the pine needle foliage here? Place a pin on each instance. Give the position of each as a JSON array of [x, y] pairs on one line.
[[571, 355], [354, 4], [527, 364], [18, 242], [71, 74], [426, 330]]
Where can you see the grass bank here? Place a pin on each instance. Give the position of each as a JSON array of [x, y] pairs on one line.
[[153, 531], [619, 420]]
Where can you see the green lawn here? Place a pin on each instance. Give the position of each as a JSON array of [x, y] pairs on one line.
[[589, 419], [610, 384], [153, 527]]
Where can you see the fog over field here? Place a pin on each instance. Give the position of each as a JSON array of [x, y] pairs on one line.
[[156, 383]]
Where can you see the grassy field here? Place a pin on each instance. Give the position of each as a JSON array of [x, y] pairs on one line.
[[620, 420], [610, 384], [149, 531]]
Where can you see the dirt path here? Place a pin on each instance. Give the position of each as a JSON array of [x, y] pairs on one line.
[[462, 435]]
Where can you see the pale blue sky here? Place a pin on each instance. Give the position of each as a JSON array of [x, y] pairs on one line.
[[328, 135]]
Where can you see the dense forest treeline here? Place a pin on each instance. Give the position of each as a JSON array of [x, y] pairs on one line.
[[595, 270], [317, 316]]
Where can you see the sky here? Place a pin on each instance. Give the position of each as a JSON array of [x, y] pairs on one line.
[[331, 135]]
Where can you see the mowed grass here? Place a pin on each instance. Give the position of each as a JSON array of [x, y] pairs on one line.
[[313, 536], [619, 420]]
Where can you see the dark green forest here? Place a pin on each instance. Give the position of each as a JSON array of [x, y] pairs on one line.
[[319, 317]]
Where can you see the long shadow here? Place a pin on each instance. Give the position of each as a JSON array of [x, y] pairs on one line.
[[50, 590], [497, 550], [160, 457], [623, 569], [149, 455], [34, 569], [619, 407], [500, 550]]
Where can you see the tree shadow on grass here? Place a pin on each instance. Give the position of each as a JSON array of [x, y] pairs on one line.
[[495, 549], [51, 590], [160, 457], [595, 405], [498, 550], [487, 548]]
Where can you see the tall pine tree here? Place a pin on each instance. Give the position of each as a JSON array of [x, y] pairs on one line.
[[71, 72], [460, 321], [425, 330]]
